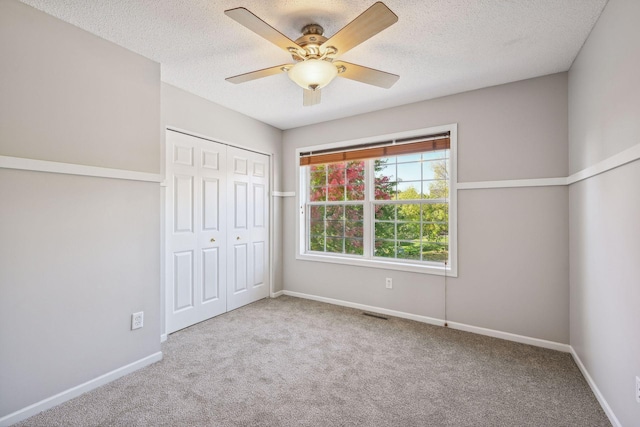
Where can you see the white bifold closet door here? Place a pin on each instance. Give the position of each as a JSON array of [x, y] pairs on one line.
[[217, 234], [247, 227]]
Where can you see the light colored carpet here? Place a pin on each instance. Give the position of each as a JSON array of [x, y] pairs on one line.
[[294, 362]]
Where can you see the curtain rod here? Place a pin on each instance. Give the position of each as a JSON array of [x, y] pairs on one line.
[[377, 144]]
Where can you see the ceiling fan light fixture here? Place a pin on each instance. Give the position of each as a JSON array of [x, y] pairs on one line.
[[313, 73]]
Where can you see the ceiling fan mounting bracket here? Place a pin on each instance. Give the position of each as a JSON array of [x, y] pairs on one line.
[[312, 29]]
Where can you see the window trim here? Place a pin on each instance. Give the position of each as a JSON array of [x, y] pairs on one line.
[[451, 270]]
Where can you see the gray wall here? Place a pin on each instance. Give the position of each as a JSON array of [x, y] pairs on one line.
[[78, 254], [513, 243], [99, 102], [183, 110], [604, 119]]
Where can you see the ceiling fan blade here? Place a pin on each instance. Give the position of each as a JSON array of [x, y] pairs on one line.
[[261, 28], [369, 23], [258, 74], [366, 75], [311, 97]]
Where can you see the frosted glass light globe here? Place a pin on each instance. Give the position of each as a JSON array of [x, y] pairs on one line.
[[313, 73]]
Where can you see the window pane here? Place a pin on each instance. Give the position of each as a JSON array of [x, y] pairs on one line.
[[354, 212], [384, 161], [318, 194], [335, 212], [355, 191], [335, 181], [388, 170], [440, 154], [353, 229], [436, 212], [318, 175], [409, 190], [335, 173], [409, 231], [385, 249], [385, 212], [316, 213], [316, 228], [435, 232], [335, 244], [439, 169], [355, 180], [435, 252], [335, 193], [409, 171], [385, 177], [409, 212], [335, 228], [385, 190], [385, 230], [409, 250], [409, 158], [436, 189], [316, 243], [428, 169], [353, 246]]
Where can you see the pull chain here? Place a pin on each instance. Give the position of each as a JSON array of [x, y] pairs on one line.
[[445, 295]]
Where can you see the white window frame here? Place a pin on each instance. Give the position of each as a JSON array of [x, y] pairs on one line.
[[366, 261]]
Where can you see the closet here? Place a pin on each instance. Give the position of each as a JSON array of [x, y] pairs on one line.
[[217, 229]]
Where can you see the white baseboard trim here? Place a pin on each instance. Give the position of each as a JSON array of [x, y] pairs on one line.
[[418, 318], [76, 391], [74, 169], [277, 294], [439, 322], [537, 342], [605, 405], [163, 337]]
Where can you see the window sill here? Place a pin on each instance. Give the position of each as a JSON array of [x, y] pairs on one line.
[[435, 269]]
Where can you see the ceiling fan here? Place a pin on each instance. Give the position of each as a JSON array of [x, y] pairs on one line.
[[314, 55]]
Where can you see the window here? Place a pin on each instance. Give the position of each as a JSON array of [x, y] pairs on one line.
[[336, 207], [386, 205]]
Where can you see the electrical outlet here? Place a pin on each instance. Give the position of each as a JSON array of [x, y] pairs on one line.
[[638, 389], [137, 320], [389, 283]]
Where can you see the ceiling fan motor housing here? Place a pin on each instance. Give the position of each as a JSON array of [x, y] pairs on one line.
[[310, 41]]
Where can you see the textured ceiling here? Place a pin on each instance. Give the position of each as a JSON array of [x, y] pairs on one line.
[[438, 47]]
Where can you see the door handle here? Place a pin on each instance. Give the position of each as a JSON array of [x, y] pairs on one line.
[[238, 238], [213, 240]]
